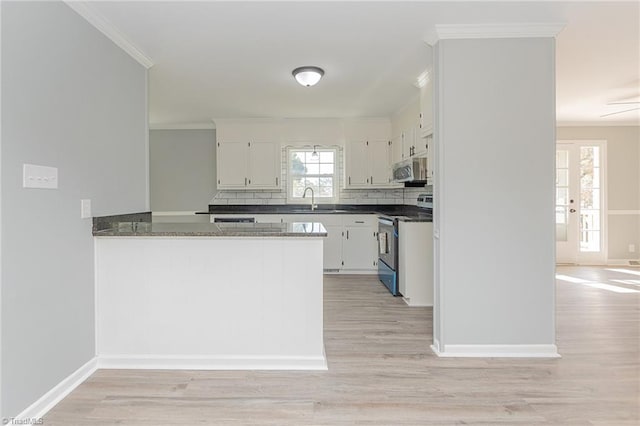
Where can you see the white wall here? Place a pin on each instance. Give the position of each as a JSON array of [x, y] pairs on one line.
[[494, 195], [623, 184], [182, 169], [73, 100]]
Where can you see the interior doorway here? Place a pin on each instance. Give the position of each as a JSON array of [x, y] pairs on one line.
[[581, 202]]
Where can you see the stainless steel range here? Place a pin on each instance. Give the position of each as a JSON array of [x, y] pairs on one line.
[[388, 238]]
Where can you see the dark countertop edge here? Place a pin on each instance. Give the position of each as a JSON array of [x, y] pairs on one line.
[[395, 211], [100, 223]]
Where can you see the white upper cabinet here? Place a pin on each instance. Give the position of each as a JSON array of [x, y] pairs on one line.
[[396, 149], [367, 153], [368, 164], [248, 165], [380, 162], [357, 164], [264, 165], [426, 108], [248, 154], [232, 166]]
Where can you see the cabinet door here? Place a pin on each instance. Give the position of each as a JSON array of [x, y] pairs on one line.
[[396, 149], [333, 247], [264, 165], [430, 159], [380, 163], [421, 146], [357, 165], [408, 142], [231, 161], [358, 248], [426, 109]]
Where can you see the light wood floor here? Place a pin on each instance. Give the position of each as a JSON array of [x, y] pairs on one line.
[[381, 372]]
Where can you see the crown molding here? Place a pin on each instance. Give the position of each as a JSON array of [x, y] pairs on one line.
[[471, 31], [182, 126], [92, 16]]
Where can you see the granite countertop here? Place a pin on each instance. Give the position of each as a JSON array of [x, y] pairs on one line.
[[151, 229], [393, 211]]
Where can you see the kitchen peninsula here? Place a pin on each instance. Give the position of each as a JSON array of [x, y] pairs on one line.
[[209, 296]]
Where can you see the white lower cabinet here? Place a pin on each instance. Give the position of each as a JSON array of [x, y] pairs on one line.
[[351, 242], [359, 243], [415, 257]]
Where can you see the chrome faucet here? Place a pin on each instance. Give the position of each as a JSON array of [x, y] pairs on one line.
[[304, 195]]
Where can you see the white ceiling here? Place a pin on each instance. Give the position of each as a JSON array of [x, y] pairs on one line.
[[234, 59]]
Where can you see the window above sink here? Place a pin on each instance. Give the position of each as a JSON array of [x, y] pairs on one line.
[[314, 168]]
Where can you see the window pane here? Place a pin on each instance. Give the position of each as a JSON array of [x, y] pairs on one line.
[[313, 183], [298, 187], [313, 169], [326, 157], [326, 169], [297, 164], [326, 191]]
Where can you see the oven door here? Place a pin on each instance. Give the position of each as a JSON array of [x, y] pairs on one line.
[[387, 242]]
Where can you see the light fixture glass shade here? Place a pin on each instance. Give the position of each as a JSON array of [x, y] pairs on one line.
[[308, 76]]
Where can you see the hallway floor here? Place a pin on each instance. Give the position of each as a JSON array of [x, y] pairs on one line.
[[382, 371]]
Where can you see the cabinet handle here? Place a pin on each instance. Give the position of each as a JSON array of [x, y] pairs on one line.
[[276, 181], [349, 180], [359, 221], [367, 180], [245, 181], [347, 234], [249, 181], [218, 181]]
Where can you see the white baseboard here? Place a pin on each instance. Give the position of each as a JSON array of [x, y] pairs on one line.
[[497, 351], [47, 401], [155, 362], [620, 262]]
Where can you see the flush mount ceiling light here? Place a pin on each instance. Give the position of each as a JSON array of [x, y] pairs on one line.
[[308, 76]]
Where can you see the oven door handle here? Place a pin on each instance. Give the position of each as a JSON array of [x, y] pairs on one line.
[[387, 222]]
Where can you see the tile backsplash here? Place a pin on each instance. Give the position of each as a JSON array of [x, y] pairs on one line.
[[406, 196]]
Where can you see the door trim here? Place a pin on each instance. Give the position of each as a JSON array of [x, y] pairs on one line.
[[601, 257]]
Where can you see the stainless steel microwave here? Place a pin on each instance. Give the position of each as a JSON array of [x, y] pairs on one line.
[[410, 170]]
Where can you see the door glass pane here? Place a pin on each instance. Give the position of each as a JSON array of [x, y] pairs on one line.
[[562, 196], [590, 241], [561, 223], [562, 158], [562, 177], [590, 184]]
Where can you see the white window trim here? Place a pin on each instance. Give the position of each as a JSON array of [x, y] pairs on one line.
[[336, 191]]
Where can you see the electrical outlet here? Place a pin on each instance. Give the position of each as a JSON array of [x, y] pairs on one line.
[[632, 248], [85, 209]]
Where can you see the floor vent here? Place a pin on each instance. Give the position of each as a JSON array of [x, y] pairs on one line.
[[634, 262]]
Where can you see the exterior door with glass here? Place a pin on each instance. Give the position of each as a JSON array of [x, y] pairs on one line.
[[579, 202]]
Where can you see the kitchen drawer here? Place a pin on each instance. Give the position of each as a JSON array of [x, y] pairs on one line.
[[369, 220]]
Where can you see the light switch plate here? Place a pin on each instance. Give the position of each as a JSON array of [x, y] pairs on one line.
[[85, 209], [39, 176]]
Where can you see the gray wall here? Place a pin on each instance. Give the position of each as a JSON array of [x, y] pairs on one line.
[[182, 169], [495, 133], [623, 183], [73, 100]]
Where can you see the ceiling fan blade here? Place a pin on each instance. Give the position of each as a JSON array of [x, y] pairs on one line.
[[623, 103], [620, 112]]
